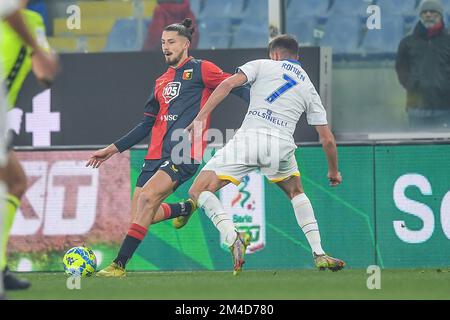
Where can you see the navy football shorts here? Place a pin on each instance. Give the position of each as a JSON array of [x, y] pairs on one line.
[[179, 173]]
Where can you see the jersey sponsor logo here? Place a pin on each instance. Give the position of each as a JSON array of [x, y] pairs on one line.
[[168, 117], [187, 74], [267, 115], [171, 91]]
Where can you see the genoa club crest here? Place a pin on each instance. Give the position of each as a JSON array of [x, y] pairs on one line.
[[187, 74]]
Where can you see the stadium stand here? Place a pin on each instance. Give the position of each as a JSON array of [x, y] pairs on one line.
[[407, 7], [386, 39], [446, 4], [214, 33], [222, 9], [64, 44], [306, 7], [249, 33], [196, 6], [239, 24], [349, 7], [250, 36], [104, 25], [343, 33], [126, 36], [306, 28], [255, 13]]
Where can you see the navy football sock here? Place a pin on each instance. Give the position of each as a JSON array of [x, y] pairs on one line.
[[173, 210], [135, 235]]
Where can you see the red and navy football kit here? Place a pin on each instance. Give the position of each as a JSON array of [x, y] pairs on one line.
[[177, 98]]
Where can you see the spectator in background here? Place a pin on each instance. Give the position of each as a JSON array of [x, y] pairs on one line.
[[166, 13], [423, 69]]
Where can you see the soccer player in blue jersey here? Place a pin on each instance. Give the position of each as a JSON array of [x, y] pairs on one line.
[[178, 96]]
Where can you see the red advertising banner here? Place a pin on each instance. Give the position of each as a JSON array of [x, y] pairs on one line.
[[67, 204]]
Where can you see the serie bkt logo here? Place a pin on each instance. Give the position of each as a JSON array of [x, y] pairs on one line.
[[61, 200]]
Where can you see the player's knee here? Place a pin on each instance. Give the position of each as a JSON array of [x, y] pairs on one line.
[[294, 191], [147, 198], [197, 189], [200, 185], [194, 192]]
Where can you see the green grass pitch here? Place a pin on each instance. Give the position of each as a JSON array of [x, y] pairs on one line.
[[220, 285]]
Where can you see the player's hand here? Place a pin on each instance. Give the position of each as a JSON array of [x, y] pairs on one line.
[[334, 178], [100, 156], [45, 66], [195, 130], [189, 130]]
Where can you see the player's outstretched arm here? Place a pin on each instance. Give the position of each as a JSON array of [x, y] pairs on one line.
[[329, 146], [141, 131], [133, 137], [220, 93], [101, 155]]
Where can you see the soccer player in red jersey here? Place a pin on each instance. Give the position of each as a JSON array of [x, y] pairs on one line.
[[177, 98]]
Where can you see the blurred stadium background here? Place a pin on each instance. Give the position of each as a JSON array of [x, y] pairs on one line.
[[393, 209]]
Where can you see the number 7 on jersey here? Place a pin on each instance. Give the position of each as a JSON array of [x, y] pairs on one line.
[[277, 93]]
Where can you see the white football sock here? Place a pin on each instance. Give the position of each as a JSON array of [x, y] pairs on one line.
[[307, 221], [216, 213]]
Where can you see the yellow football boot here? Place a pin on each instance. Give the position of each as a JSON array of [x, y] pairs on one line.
[[113, 270], [181, 221], [238, 251]]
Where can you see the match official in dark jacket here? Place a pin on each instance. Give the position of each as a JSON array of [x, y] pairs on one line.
[[423, 69]]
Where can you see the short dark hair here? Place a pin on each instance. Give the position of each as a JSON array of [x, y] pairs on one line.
[[184, 28], [284, 42]]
